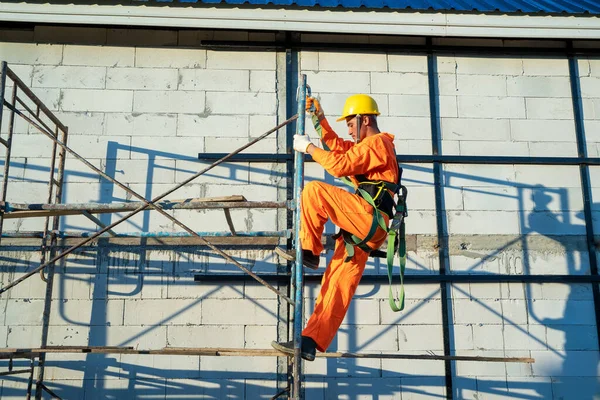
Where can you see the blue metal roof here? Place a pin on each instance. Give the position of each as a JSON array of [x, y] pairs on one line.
[[485, 6]]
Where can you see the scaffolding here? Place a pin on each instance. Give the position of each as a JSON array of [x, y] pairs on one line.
[[34, 112]]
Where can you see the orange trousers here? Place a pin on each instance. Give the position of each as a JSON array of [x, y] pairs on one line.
[[353, 214]]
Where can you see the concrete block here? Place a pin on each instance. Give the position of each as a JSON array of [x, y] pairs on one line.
[[420, 338], [491, 107], [24, 336], [85, 100], [544, 108], [416, 312], [170, 58], [217, 80], [561, 364], [3, 335], [407, 63], [265, 194], [572, 337], [140, 171], [51, 98], [69, 34], [149, 366], [101, 56], [475, 129], [381, 388], [476, 262], [574, 388], [140, 337], [340, 82], [164, 312], [480, 370], [220, 60], [71, 286], [523, 337], [477, 312], [514, 311], [481, 85], [162, 125], [141, 78], [68, 335], [489, 66], [259, 336], [553, 149], [406, 127], [590, 87], [263, 81], [238, 312], [350, 61], [184, 147], [491, 199], [87, 312], [542, 130], [31, 53], [230, 173], [213, 125], [546, 66], [423, 388], [591, 108], [594, 67], [185, 288], [23, 312], [422, 223], [309, 60], [592, 132], [218, 389], [340, 368], [238, 367], [494, 148], [69, 77], [135, 286], [461, 337], [82, 123], [100, 146], [561, 312], [216, 144], [410, 105], [182, 102], [206, 336], [240, 103], [141, 37], [485, 290], [483, 222], [559, 176], [527, 86], [402, 368], [400, 83], [367, 338], [362, 312]]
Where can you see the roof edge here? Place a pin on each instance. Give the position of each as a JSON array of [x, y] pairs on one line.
[[440, 24]]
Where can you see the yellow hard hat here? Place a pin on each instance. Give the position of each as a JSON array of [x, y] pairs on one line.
[[359, 104]]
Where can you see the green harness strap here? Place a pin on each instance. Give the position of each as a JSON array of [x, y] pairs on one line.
[[396, 232]]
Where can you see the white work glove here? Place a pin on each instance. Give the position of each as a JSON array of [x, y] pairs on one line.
[[301, 143]]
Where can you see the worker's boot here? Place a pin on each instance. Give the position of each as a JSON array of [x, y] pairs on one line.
[[308, 258], [307, 351]]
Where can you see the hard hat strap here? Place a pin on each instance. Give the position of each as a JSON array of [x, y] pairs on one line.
[[358, 127]]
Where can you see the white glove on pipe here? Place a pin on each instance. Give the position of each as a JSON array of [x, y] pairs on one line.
[[301, 143]]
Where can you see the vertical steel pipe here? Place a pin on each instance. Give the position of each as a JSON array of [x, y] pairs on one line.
[[11, 128], [54, 197], [298, 273]]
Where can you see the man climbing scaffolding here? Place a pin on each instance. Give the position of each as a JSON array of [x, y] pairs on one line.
[[368, 163]]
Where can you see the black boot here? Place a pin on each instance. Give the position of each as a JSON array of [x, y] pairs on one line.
[[309, 260], [307, 351]]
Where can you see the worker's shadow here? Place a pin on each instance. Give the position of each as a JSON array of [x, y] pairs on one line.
[[571, 334]]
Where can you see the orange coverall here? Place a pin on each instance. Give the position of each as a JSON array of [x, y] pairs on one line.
[[374, 157]]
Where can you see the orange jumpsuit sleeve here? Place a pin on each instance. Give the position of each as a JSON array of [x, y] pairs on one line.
[[332, 140], [358, 159]]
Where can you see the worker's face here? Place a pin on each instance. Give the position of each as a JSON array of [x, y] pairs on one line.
[[351, 124]]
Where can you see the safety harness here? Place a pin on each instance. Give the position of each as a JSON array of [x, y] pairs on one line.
[[380, 195]]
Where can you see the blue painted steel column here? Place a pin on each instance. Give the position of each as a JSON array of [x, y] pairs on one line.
[[298, 273]]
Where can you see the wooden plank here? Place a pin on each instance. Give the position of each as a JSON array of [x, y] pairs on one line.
[[230, 352]]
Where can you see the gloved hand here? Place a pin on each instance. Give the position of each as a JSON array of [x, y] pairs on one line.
[[314, 107], [301, 143]]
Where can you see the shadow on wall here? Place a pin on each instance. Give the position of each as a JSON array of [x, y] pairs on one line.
[[111, 376]]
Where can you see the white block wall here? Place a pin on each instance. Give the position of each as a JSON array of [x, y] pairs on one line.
[[142, 114]]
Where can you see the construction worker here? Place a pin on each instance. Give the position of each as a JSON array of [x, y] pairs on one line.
[[369, 161]]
